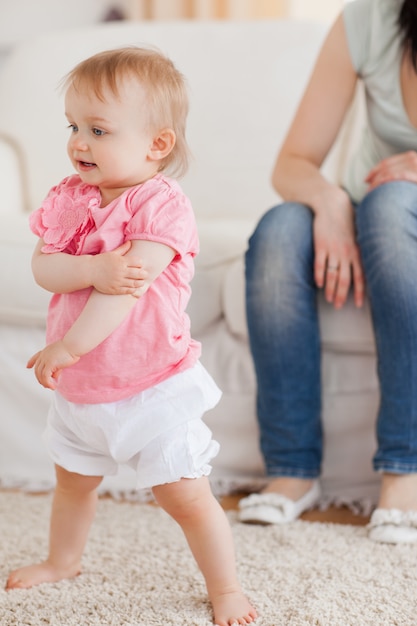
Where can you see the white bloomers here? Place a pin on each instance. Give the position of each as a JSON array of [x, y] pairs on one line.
[[159, 432]]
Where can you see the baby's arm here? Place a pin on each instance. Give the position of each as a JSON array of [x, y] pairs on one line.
[[114, 273], [101, 315]]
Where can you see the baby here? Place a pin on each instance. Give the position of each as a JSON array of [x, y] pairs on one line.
[[116, 247]]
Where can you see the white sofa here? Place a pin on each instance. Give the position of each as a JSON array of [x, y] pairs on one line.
[[245, 79]]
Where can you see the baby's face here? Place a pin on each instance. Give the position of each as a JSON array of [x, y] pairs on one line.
[[110, 142]]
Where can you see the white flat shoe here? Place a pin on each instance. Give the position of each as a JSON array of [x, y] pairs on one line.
[[393, 526], [274, 508]]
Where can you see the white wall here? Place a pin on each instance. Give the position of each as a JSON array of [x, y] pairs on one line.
[[324, 10], [24, 18], [20, 19]]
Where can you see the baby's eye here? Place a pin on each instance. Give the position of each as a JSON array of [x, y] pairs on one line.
[[98, 132], [73, 127]]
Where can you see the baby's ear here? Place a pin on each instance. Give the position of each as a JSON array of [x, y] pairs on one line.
[[162, 145]]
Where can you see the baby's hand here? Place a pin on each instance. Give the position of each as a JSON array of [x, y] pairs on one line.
[[114, 273], [49, 362]]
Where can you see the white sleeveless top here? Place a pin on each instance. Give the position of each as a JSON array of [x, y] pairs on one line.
[[375, 47]]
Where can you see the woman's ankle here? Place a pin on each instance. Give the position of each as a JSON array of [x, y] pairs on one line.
[[289, 486], [398, 491]]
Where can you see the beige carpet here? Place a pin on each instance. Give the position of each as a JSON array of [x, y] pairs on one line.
[[138, 572]]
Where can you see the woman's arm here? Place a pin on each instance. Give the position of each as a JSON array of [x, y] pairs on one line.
[[101, 315], [318, 119], [112, 273], [297, 175]]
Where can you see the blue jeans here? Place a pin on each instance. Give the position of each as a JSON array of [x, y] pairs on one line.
[[281, 303]]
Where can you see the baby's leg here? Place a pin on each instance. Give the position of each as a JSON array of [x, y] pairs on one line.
[[73, 510], [191, 503]]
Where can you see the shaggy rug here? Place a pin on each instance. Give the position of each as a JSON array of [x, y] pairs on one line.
[[138, 571]]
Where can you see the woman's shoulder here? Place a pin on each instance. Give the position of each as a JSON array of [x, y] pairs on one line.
[[373, 12], [371, 27]]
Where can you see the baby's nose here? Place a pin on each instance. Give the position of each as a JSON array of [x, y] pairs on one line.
[[78, 142]]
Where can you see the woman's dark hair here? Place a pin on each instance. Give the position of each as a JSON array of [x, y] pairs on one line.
[[407, 21]]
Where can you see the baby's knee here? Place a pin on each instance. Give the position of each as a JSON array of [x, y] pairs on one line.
[[186, 500], [72, 482]]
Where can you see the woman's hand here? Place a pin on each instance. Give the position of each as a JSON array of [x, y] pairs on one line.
[[116, 273], [337, 263], [401, 166], [49, 362]]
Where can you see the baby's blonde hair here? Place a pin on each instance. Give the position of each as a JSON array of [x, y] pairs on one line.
[[164, 85]]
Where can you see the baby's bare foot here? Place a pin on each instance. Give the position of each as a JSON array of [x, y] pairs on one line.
[[232, 608], [31, 575]]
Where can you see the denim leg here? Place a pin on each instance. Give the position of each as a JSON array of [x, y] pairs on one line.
[[281, 305], [387, 235]]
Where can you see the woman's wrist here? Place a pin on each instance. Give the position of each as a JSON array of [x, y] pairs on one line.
[[330, 198]]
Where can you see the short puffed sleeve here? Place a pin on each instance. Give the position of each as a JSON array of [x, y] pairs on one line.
[[161, 212]]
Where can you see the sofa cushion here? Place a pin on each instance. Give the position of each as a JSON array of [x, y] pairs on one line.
[[346, 330], [221, 242]]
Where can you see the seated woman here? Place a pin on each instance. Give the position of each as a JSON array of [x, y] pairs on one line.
[[360, 235]]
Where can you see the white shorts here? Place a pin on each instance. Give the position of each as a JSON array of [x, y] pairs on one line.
[[159, 432]]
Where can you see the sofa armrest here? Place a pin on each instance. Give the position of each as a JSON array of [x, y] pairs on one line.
[[12, 194], [22, 300]]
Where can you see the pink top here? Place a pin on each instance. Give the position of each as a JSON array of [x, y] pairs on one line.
[[153, 342]]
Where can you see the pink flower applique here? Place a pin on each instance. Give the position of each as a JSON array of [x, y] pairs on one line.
[[66, 217]]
